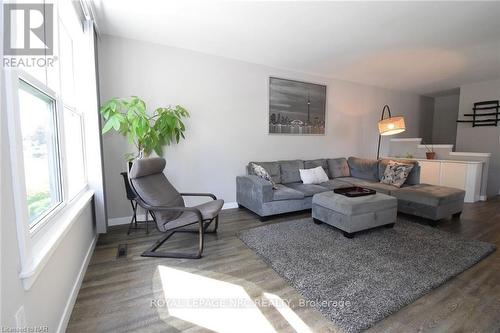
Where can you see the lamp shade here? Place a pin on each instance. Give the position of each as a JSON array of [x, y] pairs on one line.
[[392, 125]]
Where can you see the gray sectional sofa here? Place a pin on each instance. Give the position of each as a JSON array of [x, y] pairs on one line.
[[256, 194]]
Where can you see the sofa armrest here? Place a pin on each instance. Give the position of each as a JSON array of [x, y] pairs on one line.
[[254, 188]]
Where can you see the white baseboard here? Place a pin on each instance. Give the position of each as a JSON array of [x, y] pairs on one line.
[[230, 205], [126, 219], [484, 197], [63, 324], [119, 221]]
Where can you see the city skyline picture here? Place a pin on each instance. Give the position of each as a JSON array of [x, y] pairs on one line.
[[296, 107]]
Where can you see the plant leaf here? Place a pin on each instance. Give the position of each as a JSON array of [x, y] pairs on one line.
[[107, 126]]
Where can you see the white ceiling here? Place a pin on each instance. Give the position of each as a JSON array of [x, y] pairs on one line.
[[422, 47]]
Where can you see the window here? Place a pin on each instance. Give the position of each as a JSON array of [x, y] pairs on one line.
[[73, 118], [48, 110], [75, 161], [66, 65], [40, 152], [51, 126]]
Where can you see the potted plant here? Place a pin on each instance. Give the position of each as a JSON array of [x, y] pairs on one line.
[[430, 154], [128, 116]]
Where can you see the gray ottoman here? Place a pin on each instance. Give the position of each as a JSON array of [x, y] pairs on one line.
[[430, 201], [354, 214]]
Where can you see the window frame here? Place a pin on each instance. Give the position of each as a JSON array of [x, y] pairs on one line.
[[44, 218], [17, 159], [85, 185], [55, 92]]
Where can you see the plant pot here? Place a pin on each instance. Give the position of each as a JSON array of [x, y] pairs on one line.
[[430, 155]]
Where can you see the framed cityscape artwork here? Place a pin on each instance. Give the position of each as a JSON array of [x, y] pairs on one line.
[[296, 107]]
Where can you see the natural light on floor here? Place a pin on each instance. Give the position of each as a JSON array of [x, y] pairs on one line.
[[291, 317], [216, 305]]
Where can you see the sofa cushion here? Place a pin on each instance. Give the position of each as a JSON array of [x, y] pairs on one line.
[[371, 184], [379, 187], [414, 176], [273, 168], [311, 164], [283, 192], [363, 168], [396, 173], [307, 189], [290, 171], [316, 175], [429, 195], [259, 171], [352, 181], [338, 167], [333, 184]]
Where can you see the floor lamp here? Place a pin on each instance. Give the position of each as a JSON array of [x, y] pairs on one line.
[[389, 126]]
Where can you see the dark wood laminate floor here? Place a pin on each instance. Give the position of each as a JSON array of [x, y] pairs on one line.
[[119, 295]]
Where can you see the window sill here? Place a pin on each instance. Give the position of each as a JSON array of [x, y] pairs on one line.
[[44, 246]]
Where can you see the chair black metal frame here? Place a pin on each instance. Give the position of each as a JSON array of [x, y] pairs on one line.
[[203, 225], [134, 222]]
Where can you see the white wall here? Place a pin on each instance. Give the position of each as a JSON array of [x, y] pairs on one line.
[[480, 139], [444, 127], [228, 102], [49, 299]]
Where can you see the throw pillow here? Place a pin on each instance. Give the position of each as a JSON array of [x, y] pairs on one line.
[[262, 173], [313, 176], [396, 173]]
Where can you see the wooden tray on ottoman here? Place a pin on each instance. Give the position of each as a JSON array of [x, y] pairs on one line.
[[354, 191]]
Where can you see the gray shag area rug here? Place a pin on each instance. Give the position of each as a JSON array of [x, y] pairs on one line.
[[357, 282]]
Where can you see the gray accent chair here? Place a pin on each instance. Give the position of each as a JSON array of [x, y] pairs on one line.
[[157, 195], [256, 194]]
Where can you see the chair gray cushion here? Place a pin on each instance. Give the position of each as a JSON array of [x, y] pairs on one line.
[[290, 171], [273, 168], [147, 166], [363, 168], [355, 206], [412, 179], [307, 189], [156, 190], [208, 210], [311, 164], [333, 184], [147, 178], [283, 192], [429, 195], [338, 167]]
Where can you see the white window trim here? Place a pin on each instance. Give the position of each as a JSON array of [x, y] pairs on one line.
[[85, 186]]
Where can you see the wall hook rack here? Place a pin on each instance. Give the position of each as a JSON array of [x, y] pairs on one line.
[[484, 113]]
